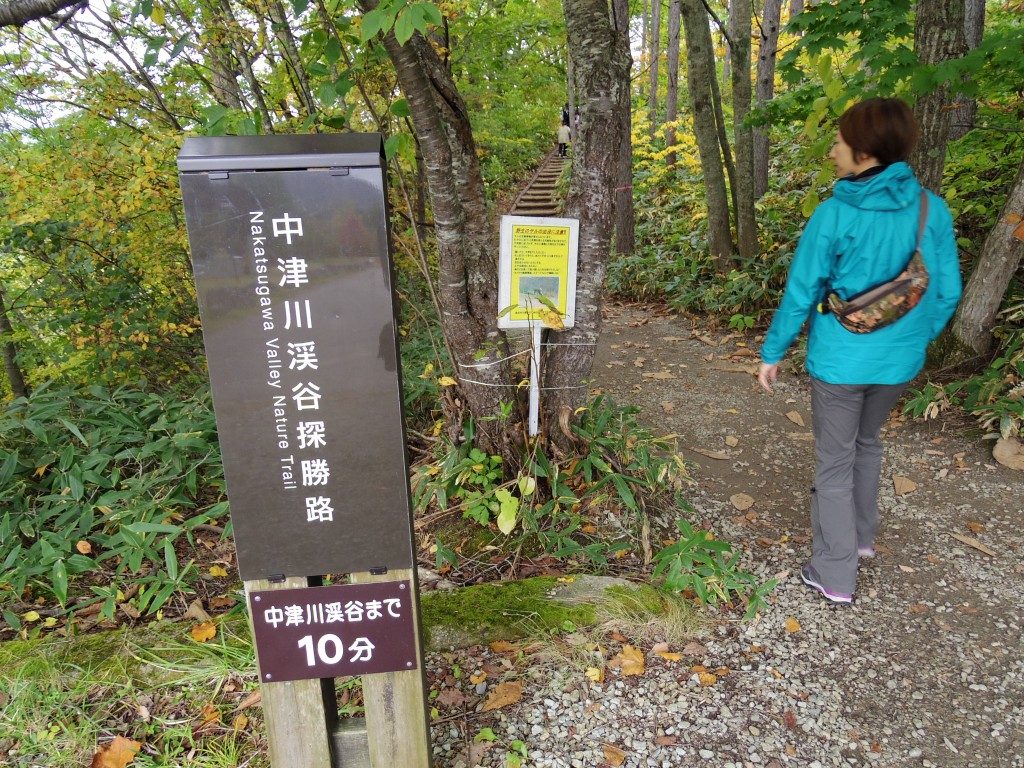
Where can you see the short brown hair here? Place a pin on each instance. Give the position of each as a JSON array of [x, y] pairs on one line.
[[884, 129]]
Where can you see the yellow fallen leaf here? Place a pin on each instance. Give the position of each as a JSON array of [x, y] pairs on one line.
[[669, 655], [50, 621], [707, 678], [974, 527], [83, 547], [447, 381], [503, 646], [31, 616], [478, 678], [796, 418], [239, 723], [595, 674], [792, 625], [40, 471], [613, 755], [742, 501], [503, 695], [203, 632], [903, 485], [216, 570], [631, 661], [117, 754]]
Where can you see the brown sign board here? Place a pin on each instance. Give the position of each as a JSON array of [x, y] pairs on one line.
[[291, 256], [343, 629]]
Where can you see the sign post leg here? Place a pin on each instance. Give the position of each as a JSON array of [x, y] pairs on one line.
[[536, 330], [397, 728], [298, 721]]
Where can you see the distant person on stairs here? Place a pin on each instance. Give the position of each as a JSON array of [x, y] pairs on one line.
[[858, 240], [564, 137]]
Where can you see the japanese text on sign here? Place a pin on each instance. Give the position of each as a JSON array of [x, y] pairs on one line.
[[537, 271]]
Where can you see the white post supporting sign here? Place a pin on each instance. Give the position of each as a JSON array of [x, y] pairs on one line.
[[537, 284]]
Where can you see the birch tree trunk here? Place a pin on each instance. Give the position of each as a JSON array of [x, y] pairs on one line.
[[599, 44], [771, 21], [974, 31], [672, 75], [652, 99], [700, 71], [938, 37], [998, 263], [625, 222], [10, 353], [467, 290], [746, 222]]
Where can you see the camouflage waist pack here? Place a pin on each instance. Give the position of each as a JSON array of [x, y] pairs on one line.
[[884, 304]]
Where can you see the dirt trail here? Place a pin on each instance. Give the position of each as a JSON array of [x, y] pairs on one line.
[[929, 665]]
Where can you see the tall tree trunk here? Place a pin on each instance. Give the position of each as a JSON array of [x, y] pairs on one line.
[[938, 37], [726, 33], [700, 71], [796, 7], [10, 353], [723, 143], [765, 88], [974, 31], [998, 263], [746, 222], [599, 43], [652, 98], [625, 229], [467, 290], [645, 34], [290, 53], [672, 75]]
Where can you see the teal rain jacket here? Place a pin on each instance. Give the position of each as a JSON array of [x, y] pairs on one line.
[[860, 237]]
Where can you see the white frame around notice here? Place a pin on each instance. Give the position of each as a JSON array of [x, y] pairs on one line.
[[505, 268]]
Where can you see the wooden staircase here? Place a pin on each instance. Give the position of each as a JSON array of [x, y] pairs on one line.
[[538, 197]]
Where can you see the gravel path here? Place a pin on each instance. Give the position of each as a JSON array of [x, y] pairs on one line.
[[926, 669]]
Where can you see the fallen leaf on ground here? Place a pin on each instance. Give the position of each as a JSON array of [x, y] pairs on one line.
[[742, 501], [667, 407], [595, 674], [789, 718], [252, 700], [974, 527], [693, 648], [639, 362], [630, 661], [478, 678], [972, 542], [903, 485], [933, 559], [451, 697], [666, 741], [239, 723], [196, 611], [918, 608], [129, 610], [117, 754], [503, 646], [203, 632], [732, 441], [1009, 452], [907, 569], [670, 655], [719, 455], [735, 368], [218, 571], [659, 375], [84, 547], [792, 625], [613, 755], [796, 418], [503, 695]]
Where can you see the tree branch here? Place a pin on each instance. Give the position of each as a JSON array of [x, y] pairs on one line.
[[17, 13]]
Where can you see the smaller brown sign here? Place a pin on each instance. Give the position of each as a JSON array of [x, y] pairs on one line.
[[343, 629]]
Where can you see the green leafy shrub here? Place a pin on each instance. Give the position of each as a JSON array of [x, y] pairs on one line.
[[99, 488]]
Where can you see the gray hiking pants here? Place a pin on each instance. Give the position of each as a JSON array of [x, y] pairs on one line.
[[844, 501]]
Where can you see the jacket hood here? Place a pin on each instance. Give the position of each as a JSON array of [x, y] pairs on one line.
[[893, 189]]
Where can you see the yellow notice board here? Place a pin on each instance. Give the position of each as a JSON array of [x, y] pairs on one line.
[[537, 272]]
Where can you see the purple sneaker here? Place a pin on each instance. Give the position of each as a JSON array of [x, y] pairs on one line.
[[810, 577], [867, 552]]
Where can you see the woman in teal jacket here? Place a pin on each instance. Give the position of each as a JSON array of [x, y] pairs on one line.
[[861, 237]]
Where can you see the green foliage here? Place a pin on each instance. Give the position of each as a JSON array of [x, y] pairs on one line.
[[620, 468], [102, 488], [699, 563]]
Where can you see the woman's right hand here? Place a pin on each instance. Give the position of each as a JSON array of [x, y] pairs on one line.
[[767, 375]]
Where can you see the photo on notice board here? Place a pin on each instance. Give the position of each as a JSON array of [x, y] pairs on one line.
[[533, 287]]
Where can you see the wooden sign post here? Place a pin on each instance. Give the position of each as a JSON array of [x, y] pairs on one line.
[[292, 262]]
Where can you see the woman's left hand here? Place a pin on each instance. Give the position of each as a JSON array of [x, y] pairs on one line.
[[767, 375]]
